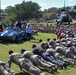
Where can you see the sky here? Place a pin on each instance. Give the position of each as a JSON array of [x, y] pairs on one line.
[[44, 4]]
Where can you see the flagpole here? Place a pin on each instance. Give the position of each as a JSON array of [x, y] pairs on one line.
[[0, 4], [64, 3]]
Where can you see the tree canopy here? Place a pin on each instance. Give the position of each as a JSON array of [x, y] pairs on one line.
[[24, 11]]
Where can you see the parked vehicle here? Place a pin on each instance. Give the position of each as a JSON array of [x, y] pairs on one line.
[[63, 16], [12, 34]]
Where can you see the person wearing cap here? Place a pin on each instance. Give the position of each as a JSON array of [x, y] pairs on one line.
[[11, 24], [63, 42], [23, 63], [58, 42], [49, 55], [40, 40], [72, 46], [52, 44], [54, 39], [38, 60], [5, 70], [38, 50], [66, 52], [58, 55], [43, 45], [46, 56], [28, 30], [48, 39]]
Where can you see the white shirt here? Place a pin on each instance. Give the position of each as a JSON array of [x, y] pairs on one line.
[[28, 29]]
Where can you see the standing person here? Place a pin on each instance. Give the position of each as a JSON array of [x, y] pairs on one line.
[[18, 24], [1, 27], [5, 70], [28, 30], [23, 63], [11, 24]]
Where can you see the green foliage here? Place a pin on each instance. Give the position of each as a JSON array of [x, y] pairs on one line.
[[24, 11], [50, 15], [43, 23]]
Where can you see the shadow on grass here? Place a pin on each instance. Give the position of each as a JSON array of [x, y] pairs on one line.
[[19, 42], [45, 70], [23, 73], [49, 71], [7, 43], [34, 41]]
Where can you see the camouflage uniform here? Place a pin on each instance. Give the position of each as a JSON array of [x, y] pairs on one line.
[[63, 42], [37, 60], [50, 57], [66, 52], [43, 44], [5, 70], [59, 56], [58, 42], [69, 61], [24, 63], [73, 49]]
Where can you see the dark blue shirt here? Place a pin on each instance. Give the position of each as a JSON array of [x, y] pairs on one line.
[[38, 51]]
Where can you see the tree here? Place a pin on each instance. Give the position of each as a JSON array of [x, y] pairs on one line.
[[11, 15], [28, 10], [25, 10]]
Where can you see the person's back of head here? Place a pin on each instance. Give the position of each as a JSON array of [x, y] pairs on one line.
[[58, 42], [63, 42], [59, 49], [10, 52], [54, 39], [46, 46], [33, 46], [40, 40], [23, 50], [43, 44], [52, 43]]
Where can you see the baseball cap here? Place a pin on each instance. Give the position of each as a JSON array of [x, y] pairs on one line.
[[10, 51]]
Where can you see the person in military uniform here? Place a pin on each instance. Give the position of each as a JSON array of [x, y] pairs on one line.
[[58, 56], [38, 60], [5, 70], [69, 61], [23, 63], [46, 56], [66, 52], [52, 53], [72, 47], [63, 42]]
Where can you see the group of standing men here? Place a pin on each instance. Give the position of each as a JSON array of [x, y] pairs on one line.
[[26, 27]]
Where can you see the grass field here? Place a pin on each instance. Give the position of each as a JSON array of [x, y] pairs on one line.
[[4, 47]]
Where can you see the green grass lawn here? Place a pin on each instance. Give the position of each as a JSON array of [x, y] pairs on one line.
[[4, 47]]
